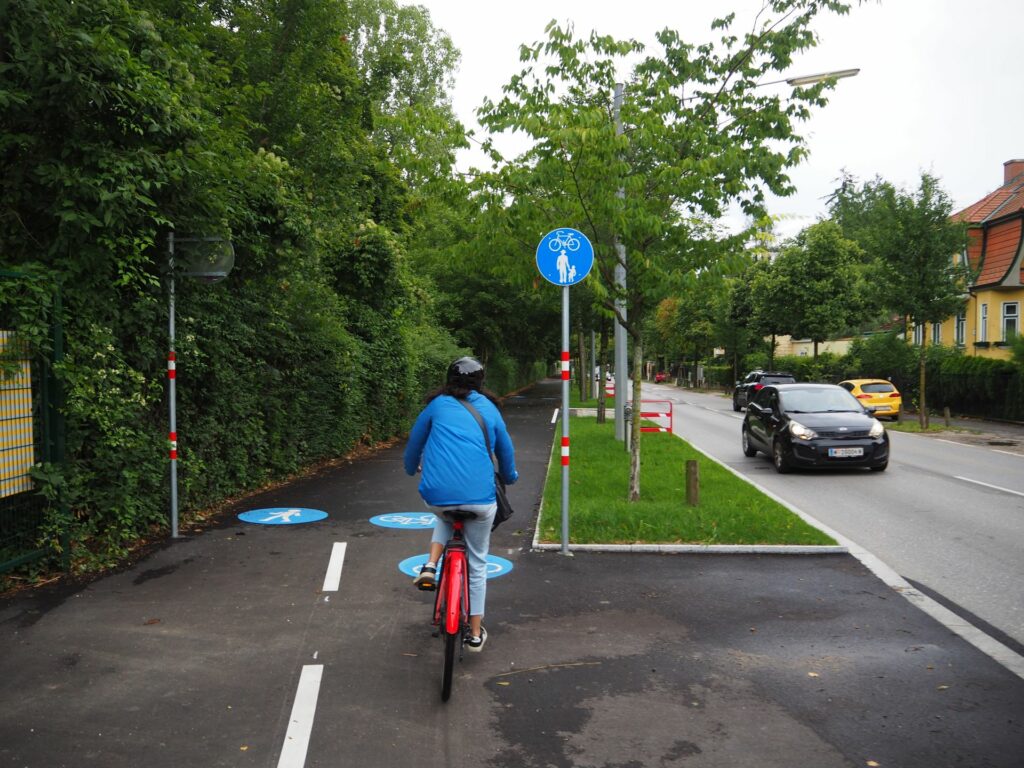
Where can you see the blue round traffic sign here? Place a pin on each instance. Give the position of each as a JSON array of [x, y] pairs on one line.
[[496, 566], [564, 256], [282, 516], [407, 520]]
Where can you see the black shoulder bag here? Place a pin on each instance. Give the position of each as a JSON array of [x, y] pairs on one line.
[[504, 508]]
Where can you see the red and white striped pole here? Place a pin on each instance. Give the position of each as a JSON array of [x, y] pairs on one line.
[[565, 420]]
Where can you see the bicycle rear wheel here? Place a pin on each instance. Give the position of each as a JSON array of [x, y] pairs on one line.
[[451, 643]]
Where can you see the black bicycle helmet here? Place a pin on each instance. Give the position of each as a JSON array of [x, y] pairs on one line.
[[467, 373]]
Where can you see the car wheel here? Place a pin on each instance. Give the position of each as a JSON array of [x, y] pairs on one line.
[[748, 449], [735, 403], [782, 465], [880, 467]]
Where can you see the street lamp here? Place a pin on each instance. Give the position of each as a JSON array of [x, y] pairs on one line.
[[620, 250], [811, 79], [209, 260]]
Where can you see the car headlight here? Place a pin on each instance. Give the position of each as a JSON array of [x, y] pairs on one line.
[[877, 430], [796, 429]]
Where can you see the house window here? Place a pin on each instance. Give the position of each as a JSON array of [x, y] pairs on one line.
[[983, 324], [936, 333], [961, 329], [919, 334], [1011, 319]]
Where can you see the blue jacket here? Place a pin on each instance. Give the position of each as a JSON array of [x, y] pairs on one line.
[[448, 443]]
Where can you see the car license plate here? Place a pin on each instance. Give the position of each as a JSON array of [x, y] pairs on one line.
[[837, 453]]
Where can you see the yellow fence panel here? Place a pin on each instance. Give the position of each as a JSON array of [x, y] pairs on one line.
[[17, 452]]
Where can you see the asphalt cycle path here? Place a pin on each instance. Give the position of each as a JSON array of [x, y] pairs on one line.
[[306, 645]]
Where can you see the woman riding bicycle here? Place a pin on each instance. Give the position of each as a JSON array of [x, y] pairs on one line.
[[447, 444]]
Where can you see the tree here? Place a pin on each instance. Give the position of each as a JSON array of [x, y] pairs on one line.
[[820, 283], [769, 304], [914, 240], [697, 134]]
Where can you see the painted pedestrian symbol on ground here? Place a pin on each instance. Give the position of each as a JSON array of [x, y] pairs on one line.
[[564, 256], [282, 516], [496, 566], [408, 520]]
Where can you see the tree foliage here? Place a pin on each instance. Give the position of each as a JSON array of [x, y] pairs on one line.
[[696, 134], [820, 291], [914, 242], [325, 160]]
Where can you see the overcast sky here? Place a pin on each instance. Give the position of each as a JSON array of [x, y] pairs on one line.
[[940, 89]]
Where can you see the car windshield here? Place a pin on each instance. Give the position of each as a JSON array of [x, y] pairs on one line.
[[819, 401], [883, 387]]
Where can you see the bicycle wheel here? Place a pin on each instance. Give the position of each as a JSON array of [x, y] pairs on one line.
[[451, 642]]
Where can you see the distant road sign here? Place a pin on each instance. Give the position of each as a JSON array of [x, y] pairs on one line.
[[564, 256], [282, 516]]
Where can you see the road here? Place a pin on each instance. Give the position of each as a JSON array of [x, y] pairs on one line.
[[947, 516], [244, 645]]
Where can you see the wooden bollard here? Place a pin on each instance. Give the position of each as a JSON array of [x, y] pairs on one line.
[[945, 415], [692, 483]]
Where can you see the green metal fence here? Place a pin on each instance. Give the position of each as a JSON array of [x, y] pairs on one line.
[[31, 431]]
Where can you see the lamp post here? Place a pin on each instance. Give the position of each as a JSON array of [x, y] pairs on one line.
[[209, 260], [620, 249]]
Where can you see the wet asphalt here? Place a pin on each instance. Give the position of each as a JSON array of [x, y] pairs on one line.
[[195, 655]]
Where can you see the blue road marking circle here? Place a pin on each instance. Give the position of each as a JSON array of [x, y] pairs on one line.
[[496, 566], [412, 521], [282, 516], [564, 256]]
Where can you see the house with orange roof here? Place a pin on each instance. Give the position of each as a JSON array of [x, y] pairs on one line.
[[995, 254]]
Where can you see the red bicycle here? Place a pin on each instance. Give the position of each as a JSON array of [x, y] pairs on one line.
[[451, 605]]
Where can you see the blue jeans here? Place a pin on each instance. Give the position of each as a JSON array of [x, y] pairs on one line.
[[477, 534]]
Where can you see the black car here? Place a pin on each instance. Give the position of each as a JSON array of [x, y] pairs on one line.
[[813, 425], [752, 383]]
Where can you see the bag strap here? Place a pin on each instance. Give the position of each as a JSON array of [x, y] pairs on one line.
[[483, 427]]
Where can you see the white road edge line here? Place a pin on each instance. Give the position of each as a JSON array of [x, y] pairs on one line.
[[333, 578], [554, 416], [989, 485], [300, 724], [1005, 453]]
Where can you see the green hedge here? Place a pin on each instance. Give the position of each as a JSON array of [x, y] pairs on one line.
[[979, 386]]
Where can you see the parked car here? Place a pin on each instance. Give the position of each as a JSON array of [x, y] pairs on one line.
[[752, 383], [660, 376], [813, 425], [879, 395]]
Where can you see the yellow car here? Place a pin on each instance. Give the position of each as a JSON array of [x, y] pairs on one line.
[[877, 395]]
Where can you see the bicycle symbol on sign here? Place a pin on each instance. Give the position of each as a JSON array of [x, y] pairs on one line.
[[563, 239]]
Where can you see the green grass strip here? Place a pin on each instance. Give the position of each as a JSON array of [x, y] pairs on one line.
[[730, 510]]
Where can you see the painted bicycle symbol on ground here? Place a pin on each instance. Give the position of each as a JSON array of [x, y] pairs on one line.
[[407, 520], [496, 566], [562, 239]]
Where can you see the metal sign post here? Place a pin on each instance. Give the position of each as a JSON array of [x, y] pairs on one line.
[[209, 260], [564, 257]]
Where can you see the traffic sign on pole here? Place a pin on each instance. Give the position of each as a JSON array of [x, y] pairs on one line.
[[564, 256]]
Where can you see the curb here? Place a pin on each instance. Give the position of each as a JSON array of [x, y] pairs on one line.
[[698, 549]]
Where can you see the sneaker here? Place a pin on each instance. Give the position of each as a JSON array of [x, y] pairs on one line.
[[476, 644], [427, 578]]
